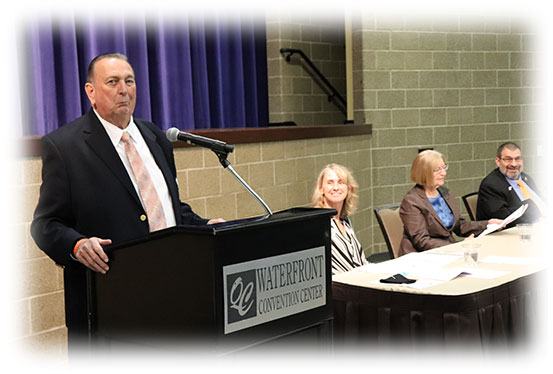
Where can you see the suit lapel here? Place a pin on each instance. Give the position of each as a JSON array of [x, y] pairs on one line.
[[530, 182], [447, 198], [512, 197], [100, 143], [429, 207]]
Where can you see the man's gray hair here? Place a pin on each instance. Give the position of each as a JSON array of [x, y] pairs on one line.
[[509, 145], [90, 72]]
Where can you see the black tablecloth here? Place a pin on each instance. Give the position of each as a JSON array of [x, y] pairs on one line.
[[502, 316]]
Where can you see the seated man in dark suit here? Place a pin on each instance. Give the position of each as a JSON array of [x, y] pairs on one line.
[[106, 177], [506, 188]]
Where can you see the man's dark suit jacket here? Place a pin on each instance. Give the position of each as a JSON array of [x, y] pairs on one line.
[[497, 199], [86, 191], [422, 227]]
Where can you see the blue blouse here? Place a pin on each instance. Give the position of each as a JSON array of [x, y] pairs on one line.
[[441, 207]]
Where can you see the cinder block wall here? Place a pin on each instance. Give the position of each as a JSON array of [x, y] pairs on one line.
[[461, 85], [38, 287], [294, 95], [282, 173]]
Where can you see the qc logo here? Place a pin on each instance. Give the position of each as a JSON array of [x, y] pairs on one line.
[[241, 296]]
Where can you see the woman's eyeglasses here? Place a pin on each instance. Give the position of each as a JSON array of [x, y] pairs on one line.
[[438, 169]]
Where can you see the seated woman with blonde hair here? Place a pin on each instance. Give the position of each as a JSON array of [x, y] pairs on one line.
[[337, 189], [429, 212]]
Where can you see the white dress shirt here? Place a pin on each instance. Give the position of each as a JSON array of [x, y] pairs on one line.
[[115, 134]]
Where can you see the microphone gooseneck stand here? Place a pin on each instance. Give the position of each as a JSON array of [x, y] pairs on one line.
[[221, 149], [222, 156]]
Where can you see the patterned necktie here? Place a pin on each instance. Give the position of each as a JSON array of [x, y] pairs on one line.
[[524, 190], [150, 199]]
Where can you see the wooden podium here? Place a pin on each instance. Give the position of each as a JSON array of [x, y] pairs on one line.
[[225, 287]]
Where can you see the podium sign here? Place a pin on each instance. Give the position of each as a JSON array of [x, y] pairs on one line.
[[275, 287], [237, 284]]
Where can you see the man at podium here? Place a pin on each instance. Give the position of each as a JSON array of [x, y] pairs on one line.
[[106, 177]]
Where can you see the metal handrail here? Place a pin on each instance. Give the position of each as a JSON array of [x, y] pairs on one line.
[[334, 92]]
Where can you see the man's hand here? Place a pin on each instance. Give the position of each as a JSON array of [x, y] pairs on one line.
[[496, 222], [215, 220], [91, 254]]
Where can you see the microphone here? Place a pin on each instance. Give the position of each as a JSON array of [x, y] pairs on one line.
[[174, 134], [221, 149]]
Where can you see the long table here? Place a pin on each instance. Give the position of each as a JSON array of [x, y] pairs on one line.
[[475, 312]]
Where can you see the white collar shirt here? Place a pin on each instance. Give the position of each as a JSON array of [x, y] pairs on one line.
[[115, 134]]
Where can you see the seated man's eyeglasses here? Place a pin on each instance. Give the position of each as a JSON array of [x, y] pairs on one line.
[[510, 159]]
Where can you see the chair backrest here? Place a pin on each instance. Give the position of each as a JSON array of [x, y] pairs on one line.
[[391, 226], [470, 201]]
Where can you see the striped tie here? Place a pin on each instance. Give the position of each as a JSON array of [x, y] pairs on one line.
[[150, 199], [524, 190]]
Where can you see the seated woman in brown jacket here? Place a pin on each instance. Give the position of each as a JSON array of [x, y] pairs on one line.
[[429, 212]]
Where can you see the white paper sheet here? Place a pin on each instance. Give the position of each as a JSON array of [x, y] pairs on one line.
[[482, 273], [514, 216], [418, 285], [425, 267], [433, 273], [510, 260], [416, 261]]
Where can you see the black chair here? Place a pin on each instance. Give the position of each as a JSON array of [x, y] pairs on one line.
[[391, 226], [375, 258], [470, 200]]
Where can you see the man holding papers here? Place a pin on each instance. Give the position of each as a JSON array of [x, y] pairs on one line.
[[507, 188]]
